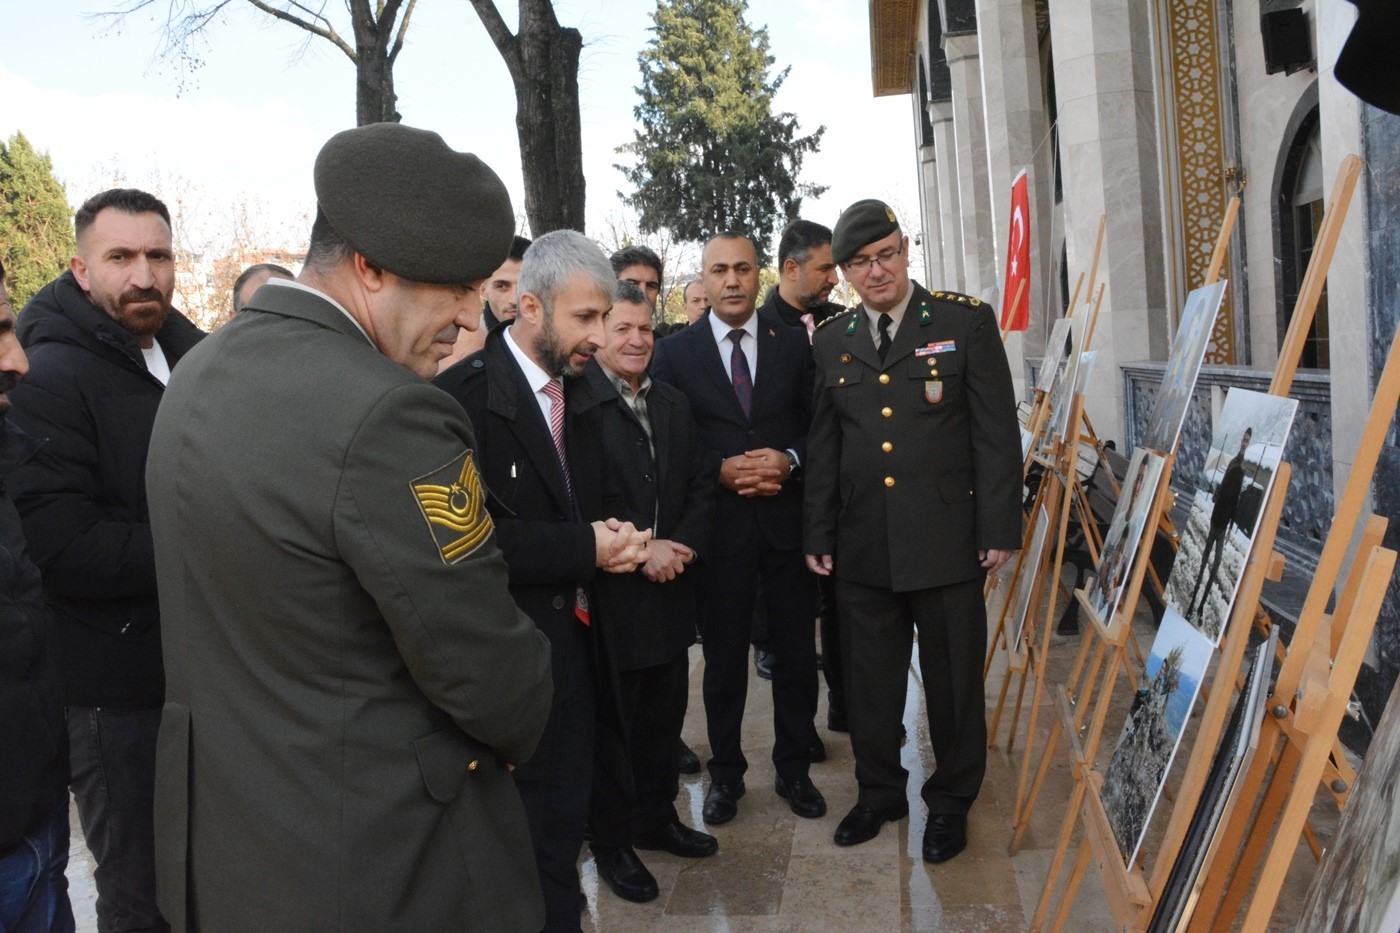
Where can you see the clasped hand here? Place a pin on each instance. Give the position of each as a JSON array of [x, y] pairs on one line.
[[667, 561], [755, 472], [619, 547]]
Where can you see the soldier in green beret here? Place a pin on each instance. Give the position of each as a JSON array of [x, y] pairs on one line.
[[912, 498], [348, 679]]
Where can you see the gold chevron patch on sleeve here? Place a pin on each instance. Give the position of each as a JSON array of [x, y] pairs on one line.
[[453, 502]]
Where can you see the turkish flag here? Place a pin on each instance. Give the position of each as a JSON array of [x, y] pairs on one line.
[[1018, 260]]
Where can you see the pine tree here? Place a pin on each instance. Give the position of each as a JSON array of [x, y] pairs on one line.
[[711, 154], [36, 224]]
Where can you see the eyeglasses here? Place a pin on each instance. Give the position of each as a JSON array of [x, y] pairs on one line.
[[883, 257]]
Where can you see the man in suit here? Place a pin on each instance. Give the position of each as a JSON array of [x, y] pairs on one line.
[[806, 276], [349, 681], [654, 458], [540, 431], [913, 497], [748, 377]]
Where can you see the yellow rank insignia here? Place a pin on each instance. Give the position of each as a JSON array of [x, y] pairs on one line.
[[453, 502]]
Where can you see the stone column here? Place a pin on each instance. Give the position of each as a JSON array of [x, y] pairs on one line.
[[1103, 73], [950, 223], [932, 240], [1014, 107], [970, 138]]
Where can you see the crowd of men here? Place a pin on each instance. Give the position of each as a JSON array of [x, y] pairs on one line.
[[372, 608]]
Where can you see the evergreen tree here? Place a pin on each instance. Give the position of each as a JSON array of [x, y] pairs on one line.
[[36, 224], [711, 154]]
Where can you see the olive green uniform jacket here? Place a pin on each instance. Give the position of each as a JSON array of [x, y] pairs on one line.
[[914, 464], [347, 676]]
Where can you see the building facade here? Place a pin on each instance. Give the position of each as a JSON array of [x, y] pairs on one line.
[[1153, 115]]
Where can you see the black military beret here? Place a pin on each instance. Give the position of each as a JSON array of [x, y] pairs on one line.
[[859, 225], [413, 206]]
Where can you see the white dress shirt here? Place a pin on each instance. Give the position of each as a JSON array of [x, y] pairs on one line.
[[749, 343]]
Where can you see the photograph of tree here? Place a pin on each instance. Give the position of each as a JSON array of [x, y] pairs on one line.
[[1121, 543], [1245, 449], [1133, 781], [1357, 886], [1183, 366]]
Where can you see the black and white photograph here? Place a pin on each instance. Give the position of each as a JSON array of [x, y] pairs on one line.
[[1028, 581], [1245, 449], [1183, 366], [1056, 352], [1146, 746], [1124, 532]]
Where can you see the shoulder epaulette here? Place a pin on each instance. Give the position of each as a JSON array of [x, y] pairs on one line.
[[956, 298], [835, 317]]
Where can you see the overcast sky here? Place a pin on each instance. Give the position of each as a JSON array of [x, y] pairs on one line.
[[246, 125]]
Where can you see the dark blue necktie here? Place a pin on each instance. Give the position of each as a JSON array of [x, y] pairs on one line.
[[739, 372]]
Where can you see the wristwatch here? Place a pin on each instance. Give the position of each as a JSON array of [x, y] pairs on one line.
[[793, 465]]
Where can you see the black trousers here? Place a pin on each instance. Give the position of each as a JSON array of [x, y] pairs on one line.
[[877, 629], [638, 795], [557, 806], [730, 587]]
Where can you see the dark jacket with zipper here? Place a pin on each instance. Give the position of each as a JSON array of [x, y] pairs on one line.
[[82, 497], [33, 739]]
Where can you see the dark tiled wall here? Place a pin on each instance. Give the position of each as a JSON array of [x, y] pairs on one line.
[[1381, 178]]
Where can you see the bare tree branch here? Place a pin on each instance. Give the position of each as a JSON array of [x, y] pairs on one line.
[[403, 28], [326, 32], [500, 34]]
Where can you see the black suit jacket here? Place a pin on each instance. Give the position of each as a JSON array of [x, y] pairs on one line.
[[781, 413], [650, 623], [915, 462], [548, 545]]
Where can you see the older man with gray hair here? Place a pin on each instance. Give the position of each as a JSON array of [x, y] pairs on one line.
[[542, 459]]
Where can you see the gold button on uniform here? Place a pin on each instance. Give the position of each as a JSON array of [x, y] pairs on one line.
[[887, 412], [887, 447], [884, 379], [845, 357], [889, 480], [933, 372], [841, 381], [473, 765]]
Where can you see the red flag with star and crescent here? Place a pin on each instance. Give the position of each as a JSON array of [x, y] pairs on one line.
[[1018, 260]]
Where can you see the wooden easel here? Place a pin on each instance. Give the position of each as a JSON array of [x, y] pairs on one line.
[[1316, 714], [1112, 638]]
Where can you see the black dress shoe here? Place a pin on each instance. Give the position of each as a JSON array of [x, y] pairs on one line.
[[816, 752], [678, 839], [722, 801], [944, 836], [763, 663], [625, 874], [802, 796], [687, 762], [863, 823]]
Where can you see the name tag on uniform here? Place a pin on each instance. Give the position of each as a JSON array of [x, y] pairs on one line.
[[938, 346]]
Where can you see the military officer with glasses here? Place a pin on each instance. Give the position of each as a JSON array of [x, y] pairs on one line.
[[913, 496]]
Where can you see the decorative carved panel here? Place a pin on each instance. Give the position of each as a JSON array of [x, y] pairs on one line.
[[1192, 49]]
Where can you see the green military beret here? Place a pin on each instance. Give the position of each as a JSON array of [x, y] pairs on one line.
[[413, 206], [861, 224]]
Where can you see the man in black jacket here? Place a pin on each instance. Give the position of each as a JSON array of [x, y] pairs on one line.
[[33, 741], [654, 459], [806, 276], [537, 424], [102, 340]]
